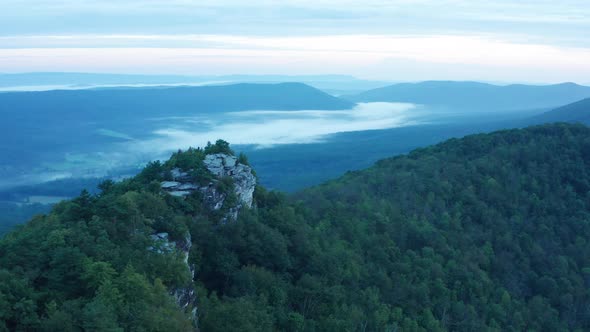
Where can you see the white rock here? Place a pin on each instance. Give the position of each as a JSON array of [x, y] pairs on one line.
[[169, 184], [220, 165]]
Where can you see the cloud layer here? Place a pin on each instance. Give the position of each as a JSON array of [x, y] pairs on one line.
[[263, 129], [370, 56], [267, 17], [526, 40], [269, 128]]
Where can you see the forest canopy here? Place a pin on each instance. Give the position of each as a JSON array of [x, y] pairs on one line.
[[489, 232]]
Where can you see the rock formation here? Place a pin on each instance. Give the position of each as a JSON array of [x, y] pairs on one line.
[[185, 295], [220, 165]]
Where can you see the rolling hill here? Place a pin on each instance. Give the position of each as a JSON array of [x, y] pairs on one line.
[[92, 104], [475, 96], [575, 112]]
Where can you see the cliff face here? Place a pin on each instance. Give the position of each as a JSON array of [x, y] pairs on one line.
[[185, 295], [221, 166], [244, 181]]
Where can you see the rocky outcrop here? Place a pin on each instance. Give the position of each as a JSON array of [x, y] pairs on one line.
[[183, 184], [244, 181], [176, 188], [220, 165], [185, 295]]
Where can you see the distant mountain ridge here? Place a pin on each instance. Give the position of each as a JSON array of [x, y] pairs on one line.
[[477, 96], [43, 81], [178, 100]]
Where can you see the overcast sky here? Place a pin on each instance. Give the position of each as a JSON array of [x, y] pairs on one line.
[[503, 40]]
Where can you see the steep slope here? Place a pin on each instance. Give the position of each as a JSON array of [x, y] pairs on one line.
[[488, 232], [477, 96], [575, 112], [119, 261]]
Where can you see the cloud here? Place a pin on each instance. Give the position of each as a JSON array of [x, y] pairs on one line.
[[361, 55], [509, 38], [263, 129], [266, 17]]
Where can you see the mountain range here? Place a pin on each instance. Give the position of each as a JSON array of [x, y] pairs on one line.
[[50, 81], [162, 101]]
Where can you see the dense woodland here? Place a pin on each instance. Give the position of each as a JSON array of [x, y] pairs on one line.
[[490, 232], [12, 214]]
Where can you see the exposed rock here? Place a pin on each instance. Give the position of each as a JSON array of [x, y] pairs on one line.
[[245, 183], [170, 184], [220, 165], [188, 186], [179, 175], [212, 197], [182, 184], [185, 295], [161, 244]]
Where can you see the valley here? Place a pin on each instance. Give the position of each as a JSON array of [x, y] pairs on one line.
[[308, 137]]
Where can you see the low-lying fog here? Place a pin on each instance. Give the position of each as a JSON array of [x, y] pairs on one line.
[[262, 129], [270, 128]]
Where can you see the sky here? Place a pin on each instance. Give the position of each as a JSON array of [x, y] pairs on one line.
[[396, 40]]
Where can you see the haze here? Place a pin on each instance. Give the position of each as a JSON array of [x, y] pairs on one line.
[[504, 41], [260, 129]]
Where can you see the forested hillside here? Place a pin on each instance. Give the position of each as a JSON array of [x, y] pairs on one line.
[[489, 232], [574, 112]]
